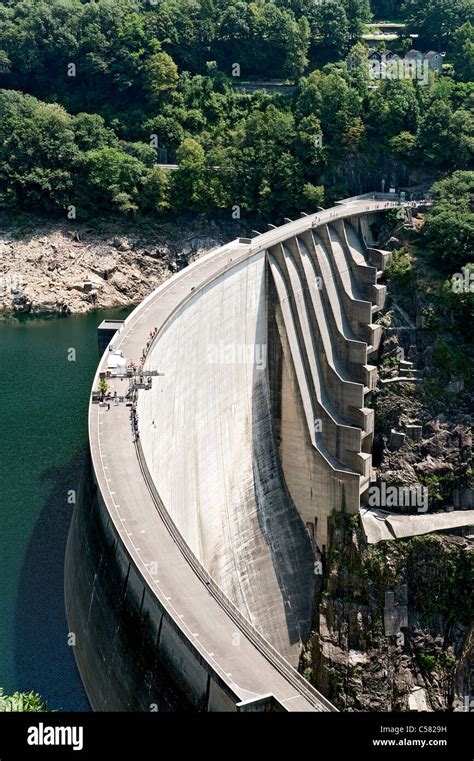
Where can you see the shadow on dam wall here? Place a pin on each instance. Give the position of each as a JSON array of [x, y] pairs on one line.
[[44, 662], [122, 636], [281, 526]]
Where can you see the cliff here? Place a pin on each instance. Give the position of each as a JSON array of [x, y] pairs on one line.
[[429, 663]]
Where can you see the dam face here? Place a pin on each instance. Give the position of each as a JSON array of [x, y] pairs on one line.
[[191, 565], [211, 415]]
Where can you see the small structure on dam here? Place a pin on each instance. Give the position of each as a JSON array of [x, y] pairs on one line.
[[106, 331], [195, 547]]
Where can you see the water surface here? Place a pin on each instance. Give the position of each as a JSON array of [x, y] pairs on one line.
[[43, 436]]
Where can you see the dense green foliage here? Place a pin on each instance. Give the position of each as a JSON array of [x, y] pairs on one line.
[[452, 219], [24, 702], [91, 89], [436, 21]]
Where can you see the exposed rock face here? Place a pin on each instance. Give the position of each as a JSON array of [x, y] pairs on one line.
[[56, 269], [439, 456], [350, 657]]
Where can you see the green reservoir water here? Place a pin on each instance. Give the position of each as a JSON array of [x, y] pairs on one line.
[[43, 434]]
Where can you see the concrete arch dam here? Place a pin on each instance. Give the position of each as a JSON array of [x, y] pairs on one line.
[[190, 567]]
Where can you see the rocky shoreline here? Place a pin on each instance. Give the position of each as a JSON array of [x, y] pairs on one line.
[[55, 269]]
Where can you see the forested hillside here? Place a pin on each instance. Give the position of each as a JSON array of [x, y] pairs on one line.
[[91, 90]]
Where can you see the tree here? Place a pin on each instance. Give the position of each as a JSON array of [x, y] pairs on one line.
[[463, 138], [308, 100], [37, 152], [115, 177], [313, 194], [436, 21], [309, 140], [358, 68], [90, 131], [450, 239], [459, 300], [353, 135], [446, 137], [161, 75], [340, 107], [167, 128], [188, 187], [358, 14], [456, 190], [393, 108], [256, 150], [186, 29], [434, 136], [462, 53], [24, 702], [36, 34], [263, 38], [402, 146], [331, 30], [105, 42], [103, 387], [141, 151], [221, 166], [278, 37], [449, 229], [234, 33], [385, 9], [5, 63], [156, 190], [113, 44], [285, 181]]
